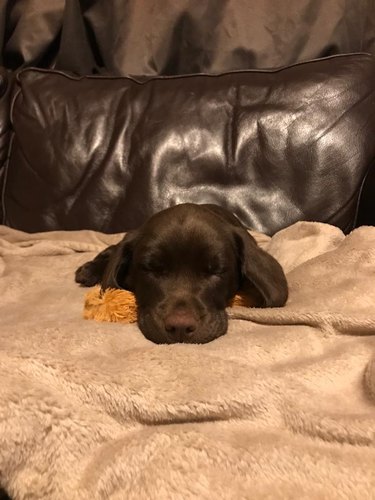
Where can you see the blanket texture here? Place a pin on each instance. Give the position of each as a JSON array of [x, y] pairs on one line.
[[283, 406]]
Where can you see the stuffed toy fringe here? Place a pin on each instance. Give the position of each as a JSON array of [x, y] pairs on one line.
[[119, 306]]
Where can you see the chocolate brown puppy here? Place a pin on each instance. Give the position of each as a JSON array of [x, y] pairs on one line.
[[184, 265]]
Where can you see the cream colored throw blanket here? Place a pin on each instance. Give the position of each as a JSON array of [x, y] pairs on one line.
[[282, 407]]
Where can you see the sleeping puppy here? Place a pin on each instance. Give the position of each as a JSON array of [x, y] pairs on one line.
[[184, 265]]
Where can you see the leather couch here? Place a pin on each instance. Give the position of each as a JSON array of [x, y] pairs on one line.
[[78, 150], [104, 153]]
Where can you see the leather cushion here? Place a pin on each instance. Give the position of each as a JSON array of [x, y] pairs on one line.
[[274, 147]]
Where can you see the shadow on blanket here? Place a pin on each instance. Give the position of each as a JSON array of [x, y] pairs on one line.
[[4, 495]]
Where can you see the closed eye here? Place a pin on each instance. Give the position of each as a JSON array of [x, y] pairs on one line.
[[153, 268], [214, 270]]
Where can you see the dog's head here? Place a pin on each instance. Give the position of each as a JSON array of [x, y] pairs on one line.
[[185, 265]]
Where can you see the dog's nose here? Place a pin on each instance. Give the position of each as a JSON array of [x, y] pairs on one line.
[[180, 324]]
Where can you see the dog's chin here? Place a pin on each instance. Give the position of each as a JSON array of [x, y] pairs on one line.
[[213, 326]]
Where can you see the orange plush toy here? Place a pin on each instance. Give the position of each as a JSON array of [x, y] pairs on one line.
[[110, 305], [120, 305]]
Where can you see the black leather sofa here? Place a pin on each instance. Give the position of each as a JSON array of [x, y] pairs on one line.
[[104, 152]]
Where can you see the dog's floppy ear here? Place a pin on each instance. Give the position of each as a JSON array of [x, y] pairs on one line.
[[116, 274], [261, 273]]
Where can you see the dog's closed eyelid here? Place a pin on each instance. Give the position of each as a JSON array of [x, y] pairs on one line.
[[214, 270], [153, 267]]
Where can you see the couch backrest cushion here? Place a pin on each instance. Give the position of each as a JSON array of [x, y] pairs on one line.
[[272, 146]]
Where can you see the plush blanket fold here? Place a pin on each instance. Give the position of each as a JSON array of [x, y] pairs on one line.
[[283, 406]]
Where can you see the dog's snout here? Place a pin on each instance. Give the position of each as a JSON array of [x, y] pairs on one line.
[[180, 324]]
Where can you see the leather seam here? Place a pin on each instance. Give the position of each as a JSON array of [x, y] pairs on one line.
[[71, 76]]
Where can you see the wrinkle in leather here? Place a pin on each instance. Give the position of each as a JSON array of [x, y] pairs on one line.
[[31, 32]]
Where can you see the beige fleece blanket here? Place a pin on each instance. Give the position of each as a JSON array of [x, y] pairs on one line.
[[282, 407]]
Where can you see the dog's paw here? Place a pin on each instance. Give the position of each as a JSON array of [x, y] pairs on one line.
[[86, 276]]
